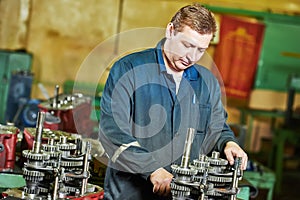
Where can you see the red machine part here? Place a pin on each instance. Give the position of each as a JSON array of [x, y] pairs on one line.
[[8, 140], [91, 196], [73, 119]]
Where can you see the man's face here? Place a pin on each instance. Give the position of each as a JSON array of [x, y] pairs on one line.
[[184, 48]]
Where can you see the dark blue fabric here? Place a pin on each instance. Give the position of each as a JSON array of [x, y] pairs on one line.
[[139, 104]]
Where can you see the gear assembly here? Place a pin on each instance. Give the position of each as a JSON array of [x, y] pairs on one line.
[[206, 177], [57, 169]]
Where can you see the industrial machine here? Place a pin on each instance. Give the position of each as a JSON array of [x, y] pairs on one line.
[[8, 140], [206, 177], [70, 113], [57, 169]]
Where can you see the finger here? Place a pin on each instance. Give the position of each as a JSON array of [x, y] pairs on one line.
[[162, 190], [230, 158], [167, 185], [155, 188], [245, 162]]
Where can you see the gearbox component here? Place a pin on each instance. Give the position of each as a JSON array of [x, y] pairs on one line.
[[58, 169], [206, 177], [8, 140]]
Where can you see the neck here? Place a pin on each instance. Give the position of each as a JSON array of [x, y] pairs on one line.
[[170, 69]]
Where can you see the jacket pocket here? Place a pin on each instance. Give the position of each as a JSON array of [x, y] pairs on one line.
[[201, 117]]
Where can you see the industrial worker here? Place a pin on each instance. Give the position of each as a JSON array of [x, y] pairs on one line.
[[151, 98]]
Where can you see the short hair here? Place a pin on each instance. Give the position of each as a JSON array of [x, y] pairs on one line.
[[197, 17]]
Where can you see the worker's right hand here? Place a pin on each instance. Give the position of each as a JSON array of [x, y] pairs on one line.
[[161, 180]]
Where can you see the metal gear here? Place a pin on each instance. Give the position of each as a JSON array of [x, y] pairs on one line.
[[219, 179], [200, 164], [180, 190], [67, 146], [32, 173], [49, 148], [218, 161], [64, 163], [33, 190], [35, 156], [183, 171]]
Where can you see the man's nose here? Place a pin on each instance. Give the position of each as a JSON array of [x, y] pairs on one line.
[[193, 55]]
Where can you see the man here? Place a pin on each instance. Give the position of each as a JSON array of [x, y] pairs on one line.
[[150, 100]]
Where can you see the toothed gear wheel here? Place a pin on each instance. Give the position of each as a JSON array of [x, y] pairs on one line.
[[35, 156], [180, 190], [43, 190], [71, 163], [54, 154], [67, 146], [200, 164], [179, 194], [33, 179], [219, 179], [31, 190], [183, 171], [27, 172], [49, 148], [217, 161], [52, 163], [183, 188], [200, 167]]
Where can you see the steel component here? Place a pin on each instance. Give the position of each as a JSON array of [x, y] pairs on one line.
[[187, 148], [206, 177], [58, 169], [183, 173]]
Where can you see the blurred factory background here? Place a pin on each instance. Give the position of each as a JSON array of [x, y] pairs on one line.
[[50, 50]]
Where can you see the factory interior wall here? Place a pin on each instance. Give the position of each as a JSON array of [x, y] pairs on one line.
[[61, 34]]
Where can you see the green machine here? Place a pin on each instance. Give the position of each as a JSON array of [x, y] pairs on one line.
[[10, 62]]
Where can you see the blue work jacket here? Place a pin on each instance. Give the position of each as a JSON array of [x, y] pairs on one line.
[[143, 123]]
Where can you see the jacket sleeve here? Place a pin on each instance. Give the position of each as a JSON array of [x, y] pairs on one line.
[[124, 151]]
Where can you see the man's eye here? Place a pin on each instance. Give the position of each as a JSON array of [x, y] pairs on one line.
[[187, 45], [201, 50]]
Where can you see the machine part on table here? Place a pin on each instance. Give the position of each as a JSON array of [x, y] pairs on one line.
[[58, 169], [72, 110], [8, 140], [205, 178], [180, 187], [29, 137]]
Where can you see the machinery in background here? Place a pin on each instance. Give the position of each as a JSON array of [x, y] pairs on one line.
[[70, 113], [57, 169], [13, 63], [20, 109], [8, 140], [206, 178]]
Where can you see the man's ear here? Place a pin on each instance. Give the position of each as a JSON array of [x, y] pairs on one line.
[[169, 30]]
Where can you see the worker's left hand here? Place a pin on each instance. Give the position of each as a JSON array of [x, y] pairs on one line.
[[233, 150]]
